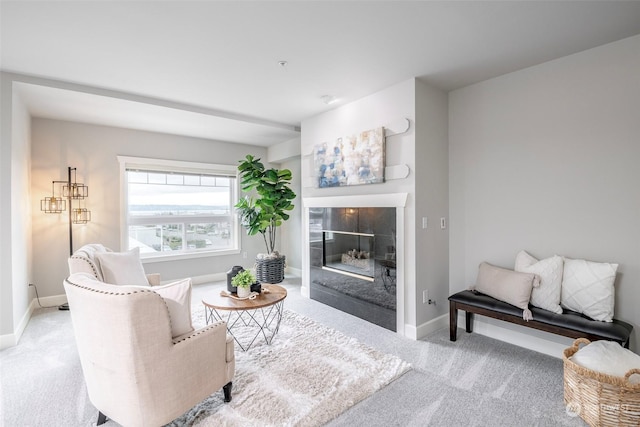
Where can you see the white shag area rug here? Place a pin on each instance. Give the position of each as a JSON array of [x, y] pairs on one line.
[[309, 375]]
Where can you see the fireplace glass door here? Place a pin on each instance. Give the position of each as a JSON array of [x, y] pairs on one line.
[[351, 254]]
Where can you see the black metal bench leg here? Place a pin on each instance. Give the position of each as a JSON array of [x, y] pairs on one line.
[[102, 418], [453, 321], [227, 391], [469, 321]]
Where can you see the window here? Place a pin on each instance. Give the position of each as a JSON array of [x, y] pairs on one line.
[[179, 208]]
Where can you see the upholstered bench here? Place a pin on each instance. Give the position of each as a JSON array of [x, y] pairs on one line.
[[569, 324]]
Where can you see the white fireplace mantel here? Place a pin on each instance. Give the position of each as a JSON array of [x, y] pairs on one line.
[[388, 200]]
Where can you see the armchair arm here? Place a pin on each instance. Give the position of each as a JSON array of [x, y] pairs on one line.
[[209, 355], [210, 347], [230, 349]]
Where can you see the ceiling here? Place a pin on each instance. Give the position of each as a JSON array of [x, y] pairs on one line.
[[212, 69]]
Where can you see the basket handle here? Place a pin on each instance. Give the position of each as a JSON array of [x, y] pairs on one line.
[[577, 342], [630, 372]]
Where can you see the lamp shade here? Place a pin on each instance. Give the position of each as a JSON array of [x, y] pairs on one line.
[[53, 204], [75, 191], [80, 216]]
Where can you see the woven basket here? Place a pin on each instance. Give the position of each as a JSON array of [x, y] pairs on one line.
[[599, 399], [270, 270]]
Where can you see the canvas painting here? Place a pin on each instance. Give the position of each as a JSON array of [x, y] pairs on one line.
[[351, 160]]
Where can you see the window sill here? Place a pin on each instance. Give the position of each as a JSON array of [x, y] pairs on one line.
[[163, 257]]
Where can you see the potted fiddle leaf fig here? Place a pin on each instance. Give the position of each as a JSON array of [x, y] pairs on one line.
[[264, 210]]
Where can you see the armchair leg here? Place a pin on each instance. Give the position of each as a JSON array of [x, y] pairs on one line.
[[227, 392], [102, 418]]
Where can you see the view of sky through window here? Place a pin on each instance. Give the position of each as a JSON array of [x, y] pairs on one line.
[[151, 193]]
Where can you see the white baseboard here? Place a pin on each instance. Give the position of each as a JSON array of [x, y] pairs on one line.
[[532, 339], [10, 340], [417, 333], [48, 302], [222, 277], [294, 271], [305, 291], [207, 278]]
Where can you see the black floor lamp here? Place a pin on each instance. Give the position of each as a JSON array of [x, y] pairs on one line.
[[71, 190]]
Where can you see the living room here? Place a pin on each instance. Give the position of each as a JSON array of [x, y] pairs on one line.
[[540, 157]]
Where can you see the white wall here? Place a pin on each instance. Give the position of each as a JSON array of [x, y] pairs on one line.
[[15, 215], [432, 201], [290, 239], [284, 151], [287, 156], [20, 209], [93, 150], [6, 282], [546, 159]]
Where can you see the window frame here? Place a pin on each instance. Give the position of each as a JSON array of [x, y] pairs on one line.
[[178, 166]]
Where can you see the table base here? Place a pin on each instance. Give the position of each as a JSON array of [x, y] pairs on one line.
[[266, 319]]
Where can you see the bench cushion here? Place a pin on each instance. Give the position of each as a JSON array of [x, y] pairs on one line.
[[616, 330]]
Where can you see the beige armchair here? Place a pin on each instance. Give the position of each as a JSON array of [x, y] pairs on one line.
[[136, 373]]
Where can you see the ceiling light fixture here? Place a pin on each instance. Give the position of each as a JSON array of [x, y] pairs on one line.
[[329, 99], [283, 64]]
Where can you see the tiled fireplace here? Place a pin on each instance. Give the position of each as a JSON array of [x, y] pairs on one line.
[[355, 256], [352, 253]]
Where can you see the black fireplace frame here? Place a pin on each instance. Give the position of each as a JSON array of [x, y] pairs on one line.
[[376, 299]]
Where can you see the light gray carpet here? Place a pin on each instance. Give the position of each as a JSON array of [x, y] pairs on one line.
[[475, 381]]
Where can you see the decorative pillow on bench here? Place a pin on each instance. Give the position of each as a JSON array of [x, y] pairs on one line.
[[575, 284], [547, 295], [587, 287], [506, 285]]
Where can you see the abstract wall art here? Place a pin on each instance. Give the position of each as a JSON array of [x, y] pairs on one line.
[[351, 160]]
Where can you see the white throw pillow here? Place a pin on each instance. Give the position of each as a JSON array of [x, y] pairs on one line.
[[177, 296], [587, 287], [608, 357], [547, 295], [122, 268]]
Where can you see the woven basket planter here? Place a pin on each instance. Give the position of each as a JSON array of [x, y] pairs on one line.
[[270, 270], [599, 399]]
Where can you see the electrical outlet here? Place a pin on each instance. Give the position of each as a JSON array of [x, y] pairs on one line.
[[425, 296], [425, 222], [244, 255]]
